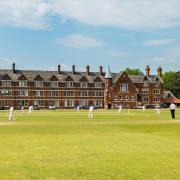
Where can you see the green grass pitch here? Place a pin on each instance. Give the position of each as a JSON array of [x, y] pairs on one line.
[[65, 144]]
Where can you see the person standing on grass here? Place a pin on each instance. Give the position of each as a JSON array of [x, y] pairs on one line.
[[157, 110], [120, 108], [11, 113], [22, 109], [30, 109], [172, 109], [90, 114], [77, 108], [143, 108]]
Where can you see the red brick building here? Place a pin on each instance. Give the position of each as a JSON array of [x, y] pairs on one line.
[[67, 89]]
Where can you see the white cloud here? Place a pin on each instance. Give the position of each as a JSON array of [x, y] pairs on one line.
[[24, 13], [79, 41], [117, 54], [130, 14], [159, 42]]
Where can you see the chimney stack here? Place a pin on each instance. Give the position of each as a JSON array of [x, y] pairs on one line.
[[73, 69], [101, 70], [87, 69], [14, 68], [159, 70], [147, 70], [59, 69]]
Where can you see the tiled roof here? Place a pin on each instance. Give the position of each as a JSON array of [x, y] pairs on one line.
[[46, 75]]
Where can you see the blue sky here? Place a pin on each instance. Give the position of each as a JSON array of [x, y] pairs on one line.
[[39, 34]]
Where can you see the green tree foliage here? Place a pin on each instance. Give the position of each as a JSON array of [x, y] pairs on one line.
[[172, 82], [130, 71]]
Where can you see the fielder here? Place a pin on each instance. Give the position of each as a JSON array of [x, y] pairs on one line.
[[90, 114], [22, 109], [30, 109], [77, 108], [157, 110], [143, 108], [120, 108], [11, 113]]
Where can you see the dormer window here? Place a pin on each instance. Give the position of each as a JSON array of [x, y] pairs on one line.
[[69, 84], [123, 87], [6, 83], [146, 83], [83, 84], [38, 83], [22, 83], [98, 84], [54, 84]]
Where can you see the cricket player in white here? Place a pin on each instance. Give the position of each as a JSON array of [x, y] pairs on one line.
[[77, 108], [11, 113], [30, 109], [143, 108], [90, 114], [157, 110], [22, 109], [120, 108], [172, 109]]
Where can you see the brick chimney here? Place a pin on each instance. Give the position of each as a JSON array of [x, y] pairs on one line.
[[14, 68], [147, 70], [87, 69], [59, 69], [159, 70], [101, 70], [73, 69]]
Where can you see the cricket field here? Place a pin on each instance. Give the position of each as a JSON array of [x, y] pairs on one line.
[[65, 144]]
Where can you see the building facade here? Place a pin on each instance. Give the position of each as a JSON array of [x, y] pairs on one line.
[[67, 89]]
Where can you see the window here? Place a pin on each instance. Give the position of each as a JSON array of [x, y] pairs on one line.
[[83, 84], [132, 98], [156, 91], [69, 103], [69, 84], [146, 83], [121, 97], [68, 93], [156, 99], [83, 103], [145, 99], [38, 83], [98, 84], [145, 91], [127, 97], [54, 84], [83, 93], [124, 87], [53, 93], [23, 93], [22, 83], [98, 103], [6, 83], [99, 94], [38, 93], [115, 98], [6, 93], [38, 103]]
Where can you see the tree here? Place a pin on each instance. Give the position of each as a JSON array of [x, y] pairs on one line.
[[177, 85], [130, 71], [172, 82]]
